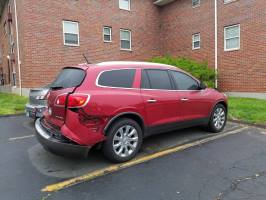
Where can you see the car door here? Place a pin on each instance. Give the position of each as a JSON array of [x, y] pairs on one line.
[[159, 98], [195, 103]]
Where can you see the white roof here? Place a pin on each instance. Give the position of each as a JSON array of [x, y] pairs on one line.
[[132, 63]]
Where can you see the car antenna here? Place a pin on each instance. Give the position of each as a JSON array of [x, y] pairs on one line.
[[86, 59]]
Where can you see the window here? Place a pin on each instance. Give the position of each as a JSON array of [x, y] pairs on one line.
[[184, 82], [125, 39], [124, 4], [228, 1], [71, 33], [69, 77], [117, 78], [196, 41], [232, 38], [195, 3], [107, 34], [156, 79]]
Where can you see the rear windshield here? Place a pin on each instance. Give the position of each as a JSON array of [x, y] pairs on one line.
[[69, 77]]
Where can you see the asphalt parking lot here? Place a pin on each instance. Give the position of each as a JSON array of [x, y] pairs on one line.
[[196, 165]]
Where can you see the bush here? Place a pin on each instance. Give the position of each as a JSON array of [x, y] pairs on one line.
[[200, 70]]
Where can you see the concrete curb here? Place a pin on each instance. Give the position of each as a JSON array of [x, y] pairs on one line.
[[248, 123]]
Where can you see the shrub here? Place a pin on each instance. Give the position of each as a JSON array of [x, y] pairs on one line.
[[200, 70]]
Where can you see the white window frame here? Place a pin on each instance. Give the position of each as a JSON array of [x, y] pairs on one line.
[[225, 39], [229, 1], [193, 41], [73, 22], [194, 6], [130, 40], [129, 5], [110, 28]]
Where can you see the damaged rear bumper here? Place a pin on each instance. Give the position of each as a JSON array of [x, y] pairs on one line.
[[56, 143]]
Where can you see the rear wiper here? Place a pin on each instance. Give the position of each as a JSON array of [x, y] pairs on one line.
[[56, 87]]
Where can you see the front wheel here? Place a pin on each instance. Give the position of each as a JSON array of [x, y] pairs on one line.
[[218, 119], [124, 140]]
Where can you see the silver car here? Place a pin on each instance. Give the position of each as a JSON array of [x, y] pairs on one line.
[[37, 102]]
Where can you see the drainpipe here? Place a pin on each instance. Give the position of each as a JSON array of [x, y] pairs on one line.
[[216, 43], [18, 50]]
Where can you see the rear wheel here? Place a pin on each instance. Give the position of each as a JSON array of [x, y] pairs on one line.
[[124, 140], [218, 119]]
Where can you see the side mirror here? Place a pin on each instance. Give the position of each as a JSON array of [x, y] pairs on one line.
[[202, 86]]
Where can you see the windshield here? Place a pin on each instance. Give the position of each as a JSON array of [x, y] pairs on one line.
[[69, 77]]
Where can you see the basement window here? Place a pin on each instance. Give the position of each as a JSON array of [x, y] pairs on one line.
[[195, 3], [125, 39], [124, 4], [71, 33], [232, 38], [107, 34], [196, 41]]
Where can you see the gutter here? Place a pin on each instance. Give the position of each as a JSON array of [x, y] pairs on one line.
[[18, 49], [216, 43]]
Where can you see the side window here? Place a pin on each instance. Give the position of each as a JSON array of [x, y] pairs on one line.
[[145, 83], [158, 79], [117, 78], [184, 82]]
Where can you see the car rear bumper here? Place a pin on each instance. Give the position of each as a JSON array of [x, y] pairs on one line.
[[58, 146], [34, 111]]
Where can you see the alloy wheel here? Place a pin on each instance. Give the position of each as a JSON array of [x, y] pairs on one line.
[[219, 118], [125, 141]]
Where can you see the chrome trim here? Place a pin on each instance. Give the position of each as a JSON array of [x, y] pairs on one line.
[[40, 130], [102, 86], [151, 101]]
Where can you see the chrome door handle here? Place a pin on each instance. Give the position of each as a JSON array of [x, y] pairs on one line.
[[184, 99], [151, 101]]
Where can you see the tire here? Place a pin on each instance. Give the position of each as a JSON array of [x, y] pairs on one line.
[[218, 119], [124, 139]]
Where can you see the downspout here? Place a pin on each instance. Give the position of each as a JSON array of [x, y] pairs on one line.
[[18, 50], [216, 43]]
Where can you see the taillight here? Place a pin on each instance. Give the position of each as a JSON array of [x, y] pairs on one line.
[[73, 100], [77, 100], [61, 100]]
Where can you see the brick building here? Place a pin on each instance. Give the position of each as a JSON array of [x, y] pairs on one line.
[[38, 38]]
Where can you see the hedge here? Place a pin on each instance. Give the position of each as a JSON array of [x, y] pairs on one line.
[[200, 70]]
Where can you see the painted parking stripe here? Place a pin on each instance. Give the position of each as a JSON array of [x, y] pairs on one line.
[[20, 138], [116, 167]]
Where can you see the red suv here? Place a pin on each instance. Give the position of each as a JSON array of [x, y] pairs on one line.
[[117, 104]]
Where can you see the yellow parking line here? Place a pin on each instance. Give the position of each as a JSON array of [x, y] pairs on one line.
[[116, 167]]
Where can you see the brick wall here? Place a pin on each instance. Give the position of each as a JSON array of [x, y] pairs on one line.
[[155, 31], [243, 70], [10, 66], [45, 53]]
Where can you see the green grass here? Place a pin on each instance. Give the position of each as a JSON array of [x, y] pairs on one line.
[[248, 110], [12, 104]]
